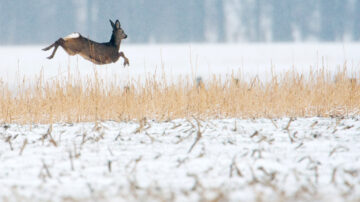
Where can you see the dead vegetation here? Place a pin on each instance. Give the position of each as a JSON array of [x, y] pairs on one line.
[[73, 98], [251, 168]]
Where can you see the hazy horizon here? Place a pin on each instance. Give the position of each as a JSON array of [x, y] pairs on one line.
[[163, 21]]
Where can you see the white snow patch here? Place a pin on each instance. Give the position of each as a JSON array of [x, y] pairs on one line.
[[72, 36], [312, 159], [187, 60]]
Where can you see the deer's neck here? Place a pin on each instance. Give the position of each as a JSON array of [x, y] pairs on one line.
[[115, 42]]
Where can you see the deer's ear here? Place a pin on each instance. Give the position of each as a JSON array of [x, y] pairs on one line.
[[112, 24], [117, 24]]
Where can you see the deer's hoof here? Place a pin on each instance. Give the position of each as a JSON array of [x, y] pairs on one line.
[[126, 62]]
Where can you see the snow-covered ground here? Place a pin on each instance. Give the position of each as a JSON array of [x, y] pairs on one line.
[[309, 159], [198, 60], [303, 159]]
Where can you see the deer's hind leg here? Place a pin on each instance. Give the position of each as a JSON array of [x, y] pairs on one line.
[[47, 48], [70, 50], [56, 44]]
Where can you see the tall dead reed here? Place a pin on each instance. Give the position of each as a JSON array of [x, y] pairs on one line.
[[72, 98]]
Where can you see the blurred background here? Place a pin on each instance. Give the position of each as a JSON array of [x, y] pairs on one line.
[[173, 21]]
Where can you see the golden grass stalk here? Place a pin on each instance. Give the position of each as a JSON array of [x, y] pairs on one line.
[[77, 99]]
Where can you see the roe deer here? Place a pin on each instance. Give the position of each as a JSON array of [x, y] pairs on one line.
[[98, 53]]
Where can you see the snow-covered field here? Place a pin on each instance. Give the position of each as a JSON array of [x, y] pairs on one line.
[[198, 60], [309, 159]]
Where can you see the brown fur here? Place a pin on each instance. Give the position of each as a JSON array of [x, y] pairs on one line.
[[98, 53]]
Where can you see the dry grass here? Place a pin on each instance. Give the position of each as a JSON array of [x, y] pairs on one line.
[[71, 98]]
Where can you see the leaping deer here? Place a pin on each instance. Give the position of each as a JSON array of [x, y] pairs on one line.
[[98, 53]]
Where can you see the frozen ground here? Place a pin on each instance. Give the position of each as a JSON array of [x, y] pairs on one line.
[[309, 159], [196, 60], [305, 159]]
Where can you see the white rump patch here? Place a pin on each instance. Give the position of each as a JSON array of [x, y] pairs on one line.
[[72, 36]]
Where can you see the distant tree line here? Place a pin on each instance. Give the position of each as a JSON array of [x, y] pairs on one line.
[[174, 21]]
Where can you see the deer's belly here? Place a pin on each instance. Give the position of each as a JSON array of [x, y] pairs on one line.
[[97, 59]]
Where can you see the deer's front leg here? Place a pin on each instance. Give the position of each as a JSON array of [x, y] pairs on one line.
[[126, 60]]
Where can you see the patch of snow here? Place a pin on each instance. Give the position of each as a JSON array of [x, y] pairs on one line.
[[308, 159], [193, 60]]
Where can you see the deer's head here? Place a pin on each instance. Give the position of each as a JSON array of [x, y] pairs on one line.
[[118, 33]]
